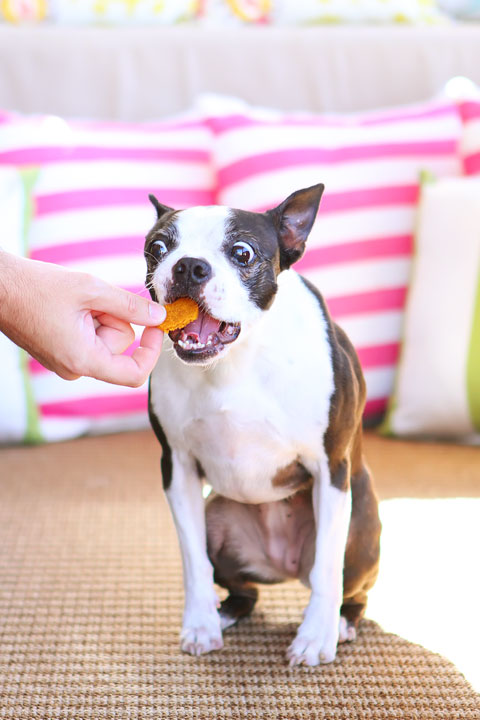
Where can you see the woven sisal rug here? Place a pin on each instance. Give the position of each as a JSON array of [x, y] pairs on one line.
[[90, 609]]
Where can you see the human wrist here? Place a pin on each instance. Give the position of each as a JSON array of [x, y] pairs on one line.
[[15, 309], [8, 264]]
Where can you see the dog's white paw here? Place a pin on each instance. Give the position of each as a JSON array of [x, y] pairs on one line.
[[200, 640], [201, 632], [317, 637], [306, 650], [346, 631]]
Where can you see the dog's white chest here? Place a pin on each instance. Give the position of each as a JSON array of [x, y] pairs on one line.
[[260, 409], [243, 442]]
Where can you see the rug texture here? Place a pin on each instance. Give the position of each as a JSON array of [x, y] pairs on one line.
[[91, 602]]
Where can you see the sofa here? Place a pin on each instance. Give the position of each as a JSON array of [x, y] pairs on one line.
[[146, 73], [90, 583]]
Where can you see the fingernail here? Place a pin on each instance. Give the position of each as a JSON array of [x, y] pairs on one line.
[[157, 312]]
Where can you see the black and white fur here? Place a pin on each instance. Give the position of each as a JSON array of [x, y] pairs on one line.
[[262, 399]]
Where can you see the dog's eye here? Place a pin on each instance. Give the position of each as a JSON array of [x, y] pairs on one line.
[[243, 253], [158, 250]]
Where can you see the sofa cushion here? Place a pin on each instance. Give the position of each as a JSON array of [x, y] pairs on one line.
[[437, 387], [352, 11], [464, 9], [91, 213], [470, 110], [360, 248], [302, 12], [120, 12], [24, 11]]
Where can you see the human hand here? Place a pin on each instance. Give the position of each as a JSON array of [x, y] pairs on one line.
[[76, 324]]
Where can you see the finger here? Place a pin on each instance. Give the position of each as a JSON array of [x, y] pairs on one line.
[[127, 306], [147, 353], [116, 334], [130, 370]]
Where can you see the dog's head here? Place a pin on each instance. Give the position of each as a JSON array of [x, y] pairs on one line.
[[227, 261]]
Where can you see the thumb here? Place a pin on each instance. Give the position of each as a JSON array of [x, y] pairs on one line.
[[128, 306]]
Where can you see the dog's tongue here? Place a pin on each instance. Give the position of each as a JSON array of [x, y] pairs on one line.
[[202, 326]]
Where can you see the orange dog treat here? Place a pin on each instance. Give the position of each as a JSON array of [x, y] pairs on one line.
[[179, 314]]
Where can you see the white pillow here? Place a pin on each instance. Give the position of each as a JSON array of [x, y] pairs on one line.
[[91, 213], [359, 251], [437, 387]]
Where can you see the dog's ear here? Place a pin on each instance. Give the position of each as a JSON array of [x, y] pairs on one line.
[[294, 219], [161, 209]]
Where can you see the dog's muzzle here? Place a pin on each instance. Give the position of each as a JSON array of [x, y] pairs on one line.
[[206, 337]]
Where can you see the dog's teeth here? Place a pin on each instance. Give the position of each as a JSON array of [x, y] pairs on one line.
[[189, 343]]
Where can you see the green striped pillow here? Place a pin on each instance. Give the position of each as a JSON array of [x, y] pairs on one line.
[[437, 387]]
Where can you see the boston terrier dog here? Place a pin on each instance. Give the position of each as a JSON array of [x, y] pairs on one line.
[[261, 399]]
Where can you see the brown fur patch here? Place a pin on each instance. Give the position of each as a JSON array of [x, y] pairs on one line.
[[294, 476]]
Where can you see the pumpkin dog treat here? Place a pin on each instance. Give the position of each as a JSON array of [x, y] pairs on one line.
[[179, 314]]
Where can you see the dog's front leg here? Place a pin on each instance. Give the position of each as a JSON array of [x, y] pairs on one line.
[[201, 622], [317, 636]]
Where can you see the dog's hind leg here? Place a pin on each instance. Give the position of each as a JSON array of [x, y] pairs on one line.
[[350, 615], [237, 550], [239, 603], [225, 538], [362, 553]]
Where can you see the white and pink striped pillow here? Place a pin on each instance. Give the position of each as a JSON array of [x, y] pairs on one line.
[[470, 110], [359, 251], [90, 188]]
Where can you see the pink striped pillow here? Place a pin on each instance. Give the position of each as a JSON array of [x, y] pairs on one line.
[[360, 248], [91, 212], [470, 110]]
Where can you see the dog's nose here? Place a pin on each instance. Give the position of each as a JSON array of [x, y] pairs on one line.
[[192, 269]]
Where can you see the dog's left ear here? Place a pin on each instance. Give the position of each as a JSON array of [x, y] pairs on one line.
[[294, 219], [161, 209]]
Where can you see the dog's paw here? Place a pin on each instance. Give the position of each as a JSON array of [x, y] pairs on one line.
[[201, 633], [200, 640], [317, 637], [306, 650], [346, 631]]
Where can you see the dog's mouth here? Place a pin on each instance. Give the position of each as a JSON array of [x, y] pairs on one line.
[[204, 338]]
